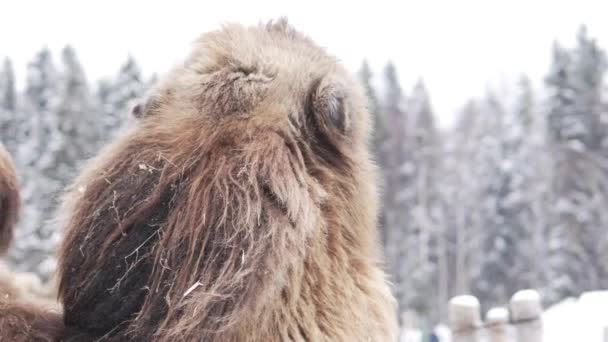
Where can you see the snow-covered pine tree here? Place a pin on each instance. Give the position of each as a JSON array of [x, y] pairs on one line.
[[8, 107], [397, 172], [530, 188], [512, 195], [379, 139], [8, 99], [379, 135], [77, 116], [589, 68], [40, 142], [116, 97], [579, 196], [410, 155], [488, 263], [461, 195], [422, 234], [561, 123]]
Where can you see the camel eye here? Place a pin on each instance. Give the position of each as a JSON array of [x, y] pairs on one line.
[[147, 106]]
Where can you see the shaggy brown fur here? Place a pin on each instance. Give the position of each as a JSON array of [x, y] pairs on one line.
[[9, 199], [241, 208], [26, 286], [23, 322], [20, 321]]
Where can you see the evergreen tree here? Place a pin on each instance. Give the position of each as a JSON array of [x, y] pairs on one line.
[[561, 124], [8, 99], [509, 195], [421, 233], [379, 135], [116, 97], [41, 141], [589, 68], [77, 117], [379, 139], [8, 108], [458, 202], [530, 190], [397, 169], [480, 230], [577, 244]]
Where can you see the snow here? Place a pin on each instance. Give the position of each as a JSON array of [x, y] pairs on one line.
[[583, 319], [443, 332], [466, 301], [526, 296], [464, 312], [410, 335], [526, 305], [497, 315]]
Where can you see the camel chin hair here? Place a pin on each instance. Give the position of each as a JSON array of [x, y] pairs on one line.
[[241, 207]]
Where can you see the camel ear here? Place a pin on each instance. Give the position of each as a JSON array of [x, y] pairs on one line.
[[147, 106], [327, 103]]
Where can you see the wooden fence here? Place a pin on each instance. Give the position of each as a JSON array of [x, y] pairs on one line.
[[521, 322]]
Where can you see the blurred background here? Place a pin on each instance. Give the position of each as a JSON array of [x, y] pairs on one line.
[[490, 127]]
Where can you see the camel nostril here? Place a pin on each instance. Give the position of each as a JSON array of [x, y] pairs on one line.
[[246, 70]]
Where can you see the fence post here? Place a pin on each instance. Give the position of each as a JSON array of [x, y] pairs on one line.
[[526, 313], [497, 325], [464, 319]]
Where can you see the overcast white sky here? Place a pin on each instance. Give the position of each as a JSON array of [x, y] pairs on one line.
[[456, 46]]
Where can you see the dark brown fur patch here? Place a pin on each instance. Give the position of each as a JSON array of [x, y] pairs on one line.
[[9, 200], [21, 322]]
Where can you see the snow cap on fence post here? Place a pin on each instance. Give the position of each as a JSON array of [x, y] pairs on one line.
[[497, 325], [464, 318], [526, 311]]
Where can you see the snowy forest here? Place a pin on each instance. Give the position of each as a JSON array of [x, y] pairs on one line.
[[513, 196]]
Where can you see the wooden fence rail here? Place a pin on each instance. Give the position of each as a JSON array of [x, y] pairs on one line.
[[522, 323]]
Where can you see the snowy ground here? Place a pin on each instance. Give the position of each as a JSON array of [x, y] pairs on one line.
[[582, 319]]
